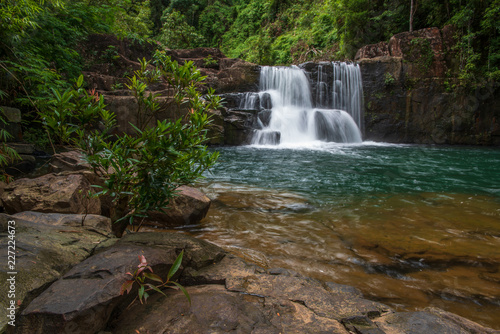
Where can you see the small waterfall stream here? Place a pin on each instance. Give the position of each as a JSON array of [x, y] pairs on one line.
[[292, 116]]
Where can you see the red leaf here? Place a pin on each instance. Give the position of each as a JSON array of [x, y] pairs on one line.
[[127, 286]]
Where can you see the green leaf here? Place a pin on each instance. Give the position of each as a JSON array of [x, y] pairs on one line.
[[79, 82], [141, 292], [152, 287], [153, 277], [175, 266], [183, 290]]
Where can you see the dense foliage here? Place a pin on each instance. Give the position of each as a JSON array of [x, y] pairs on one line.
[[38, 39], [284, 31], [40, 71]]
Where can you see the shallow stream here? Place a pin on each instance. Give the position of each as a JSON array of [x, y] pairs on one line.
[[410, 226]]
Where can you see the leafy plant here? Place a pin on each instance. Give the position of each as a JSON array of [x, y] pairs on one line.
[[142, 278], [117, 86], [389, 79], [110, 55], [209, 61], [141, 172], [36, 136], [74, 113]]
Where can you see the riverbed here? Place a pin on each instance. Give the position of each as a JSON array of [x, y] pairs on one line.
[[410, 226]]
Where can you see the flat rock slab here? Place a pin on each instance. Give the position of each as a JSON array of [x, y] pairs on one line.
[[310, 293], [214, 309], [43, 254], [58, 219]]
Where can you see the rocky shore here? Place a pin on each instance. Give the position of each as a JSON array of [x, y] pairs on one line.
[[69, 276]]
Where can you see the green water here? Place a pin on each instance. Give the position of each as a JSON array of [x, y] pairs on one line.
[[339, 172], [410, 226]]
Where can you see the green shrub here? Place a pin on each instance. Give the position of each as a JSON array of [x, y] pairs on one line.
[[140, 172]]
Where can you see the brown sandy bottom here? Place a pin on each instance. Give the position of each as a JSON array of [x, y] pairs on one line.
[[407, 251]]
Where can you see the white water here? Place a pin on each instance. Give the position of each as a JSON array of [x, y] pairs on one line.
[[295, 118]]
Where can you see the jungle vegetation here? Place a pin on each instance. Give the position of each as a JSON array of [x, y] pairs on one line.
[[39, 38]]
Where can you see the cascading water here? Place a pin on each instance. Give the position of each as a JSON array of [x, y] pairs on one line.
[[290, 114]]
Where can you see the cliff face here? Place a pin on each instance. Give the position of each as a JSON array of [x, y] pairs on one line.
[[408, 96]]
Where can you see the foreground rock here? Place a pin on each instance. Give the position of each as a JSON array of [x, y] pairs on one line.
[[51, 193], [227, 295], [85, 297], [44, 253], [190, 205]]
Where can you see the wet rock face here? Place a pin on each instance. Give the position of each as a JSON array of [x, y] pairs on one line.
[[408, 98]]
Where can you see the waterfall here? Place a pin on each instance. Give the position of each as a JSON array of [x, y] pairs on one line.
[[289, 113]]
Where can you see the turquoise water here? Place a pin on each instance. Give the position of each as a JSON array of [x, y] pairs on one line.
[[330, 172], [410, 226]]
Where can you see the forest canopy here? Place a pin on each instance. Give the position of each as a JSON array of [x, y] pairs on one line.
[[39, 39]]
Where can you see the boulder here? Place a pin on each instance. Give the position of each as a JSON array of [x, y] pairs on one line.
[[238, 126], [380, 49], [12, 124], [189, 207], [22, 148], [43, 254], [126, 109], [85, 297], [241, 76], [51, 193]]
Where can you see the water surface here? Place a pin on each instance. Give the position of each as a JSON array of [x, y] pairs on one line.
[[410, 226]]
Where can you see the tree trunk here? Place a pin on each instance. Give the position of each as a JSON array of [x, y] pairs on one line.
[[413, 10], [411, 15]]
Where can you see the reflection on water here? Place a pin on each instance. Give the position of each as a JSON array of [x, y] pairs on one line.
[[409, 226]]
